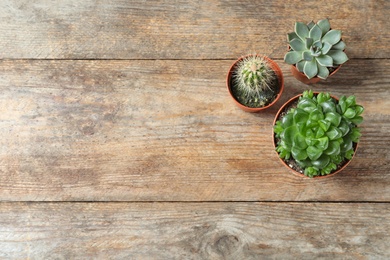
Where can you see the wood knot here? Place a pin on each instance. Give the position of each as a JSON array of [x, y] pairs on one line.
[[227, 244], [222, 242], [88, 130]]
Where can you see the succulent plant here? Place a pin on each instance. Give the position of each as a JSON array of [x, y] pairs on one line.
[[253, 78], [319, 132], [314, 48]]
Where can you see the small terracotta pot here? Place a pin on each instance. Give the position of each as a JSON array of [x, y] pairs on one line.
[[284, 108], [278, 73], [302, 77]]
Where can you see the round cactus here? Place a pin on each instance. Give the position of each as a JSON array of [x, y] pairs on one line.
[[253, 77]]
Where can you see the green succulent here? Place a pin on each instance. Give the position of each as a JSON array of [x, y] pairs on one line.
[[314, 48], [319, 132], [253, 78]]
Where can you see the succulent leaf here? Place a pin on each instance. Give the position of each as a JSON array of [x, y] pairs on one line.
[[323, 72], [307, 104], [293, 57], [307, 56], [347, 144], [313, 152], [339, 57], [324, 25], [351, 101], [322, 97], [357, 120], [301, 30], [288, 120], [339, 46], [343, 104], [317, 44], [323, 143], [299, 142], [310, 140], [289, 134], [332, 37], [359, 110], [349, 154], [310, 136], [300, 115], [333, 117], [320, 132], [308, 43], [324, 124], [299, 154], [311, 171], [355, 134], [329, 168], [308, 94], [311, 123], [350, 113], [328, 106], [325, 60], [278, 128], [334, 133], [291, 36], [315, 33], [321, 162], [300, 65], [316, 114], [333, 148], [326, 46], [310, 25], [344, 127], [297, 45], [310, 69]]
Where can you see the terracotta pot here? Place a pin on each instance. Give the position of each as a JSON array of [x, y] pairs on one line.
[[278, 73], [302, 77], [284, 108]]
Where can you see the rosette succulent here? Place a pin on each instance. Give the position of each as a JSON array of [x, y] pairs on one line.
[[314, 48], [253, 78], [319, 133]]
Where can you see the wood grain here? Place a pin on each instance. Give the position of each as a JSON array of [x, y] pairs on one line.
[[206, 29], [164, 130], [194, 231]]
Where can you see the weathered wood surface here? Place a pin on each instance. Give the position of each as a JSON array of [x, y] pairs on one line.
[[168, 131], [118, 138], [194, 231], [216, 29]]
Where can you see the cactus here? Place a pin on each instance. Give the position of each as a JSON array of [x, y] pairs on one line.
[[253, 78], [314, 48], [319, 132]]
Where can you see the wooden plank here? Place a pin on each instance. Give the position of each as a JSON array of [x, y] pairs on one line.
[[213, 29], [168, 131], [194, 231]]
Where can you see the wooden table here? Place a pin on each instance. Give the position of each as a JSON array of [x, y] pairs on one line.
[[119, 139]]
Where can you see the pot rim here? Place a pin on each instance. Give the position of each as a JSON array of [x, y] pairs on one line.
[[315, 79]]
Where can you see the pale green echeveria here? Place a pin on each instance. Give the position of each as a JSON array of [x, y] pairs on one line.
[[314, 47]]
